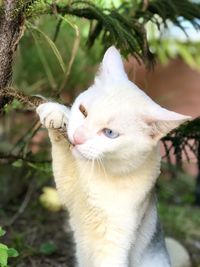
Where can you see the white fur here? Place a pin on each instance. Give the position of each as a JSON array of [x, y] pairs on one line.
[[105, 183]]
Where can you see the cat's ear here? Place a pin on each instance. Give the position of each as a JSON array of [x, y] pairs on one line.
[[112, 65], [164, 121]]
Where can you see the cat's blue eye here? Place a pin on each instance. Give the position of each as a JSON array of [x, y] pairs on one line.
[[110, 133]]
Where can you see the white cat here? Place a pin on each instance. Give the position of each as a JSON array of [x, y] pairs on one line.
[[105, 174]]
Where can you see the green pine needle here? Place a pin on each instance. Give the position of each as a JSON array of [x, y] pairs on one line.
[[124, 27]]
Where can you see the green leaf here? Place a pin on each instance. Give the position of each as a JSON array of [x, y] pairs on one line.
[[6, 252], [12, 253], [2, 232], [48, 248], [51, 44], [2, 246], [3, 255], [43, 167], [44, 61], [18, 163]]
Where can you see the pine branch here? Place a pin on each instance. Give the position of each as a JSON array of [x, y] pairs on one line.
[[187, 130], [183, 139], [112, 26], [124, 27], [171, 10]]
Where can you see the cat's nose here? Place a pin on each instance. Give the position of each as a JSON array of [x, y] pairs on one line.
[[80, 136]]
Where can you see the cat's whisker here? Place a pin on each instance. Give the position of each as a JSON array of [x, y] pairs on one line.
[[103, 168], [98, 163], [92, 169], [84, 167], [88, 171]]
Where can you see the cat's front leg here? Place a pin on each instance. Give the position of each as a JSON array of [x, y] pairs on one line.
[[55, 118]]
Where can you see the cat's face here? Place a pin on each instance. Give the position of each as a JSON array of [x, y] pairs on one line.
[[115, 122]]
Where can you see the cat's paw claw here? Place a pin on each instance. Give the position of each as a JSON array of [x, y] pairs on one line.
[[53, 115]]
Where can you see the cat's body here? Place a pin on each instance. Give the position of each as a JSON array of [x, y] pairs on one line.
[[109, 214], [106, 177]]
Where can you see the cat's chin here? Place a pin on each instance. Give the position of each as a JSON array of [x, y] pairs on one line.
[[79, 155], [76, 153]]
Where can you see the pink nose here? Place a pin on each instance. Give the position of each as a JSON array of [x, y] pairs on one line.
[[80, 136]]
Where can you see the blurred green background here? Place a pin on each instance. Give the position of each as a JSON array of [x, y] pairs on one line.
[[58, 65]]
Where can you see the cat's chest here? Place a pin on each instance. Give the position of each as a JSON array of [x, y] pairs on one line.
[[109, 194]]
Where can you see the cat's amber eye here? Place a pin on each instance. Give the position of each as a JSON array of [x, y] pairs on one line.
[[83, 110]]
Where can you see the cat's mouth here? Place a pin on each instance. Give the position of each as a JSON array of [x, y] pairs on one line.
[[75, 151], [80, 153]]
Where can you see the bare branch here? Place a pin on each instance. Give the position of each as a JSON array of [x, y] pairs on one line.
[[30, 101]]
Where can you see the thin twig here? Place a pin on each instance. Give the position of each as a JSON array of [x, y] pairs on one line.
[[24, 136], [23, 205], [9, 158], [31, 135]]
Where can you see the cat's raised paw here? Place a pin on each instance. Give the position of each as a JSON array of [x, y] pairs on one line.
[[53, 115]]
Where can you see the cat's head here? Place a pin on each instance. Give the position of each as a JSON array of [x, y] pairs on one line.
[[115, 122]]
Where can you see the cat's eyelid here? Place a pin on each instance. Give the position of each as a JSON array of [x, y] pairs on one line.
[[83, 110]]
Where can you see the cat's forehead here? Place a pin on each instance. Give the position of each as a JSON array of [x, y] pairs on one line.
[[113, 98]]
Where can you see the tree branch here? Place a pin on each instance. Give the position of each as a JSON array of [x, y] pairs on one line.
[[11, 30], [30, 101]]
